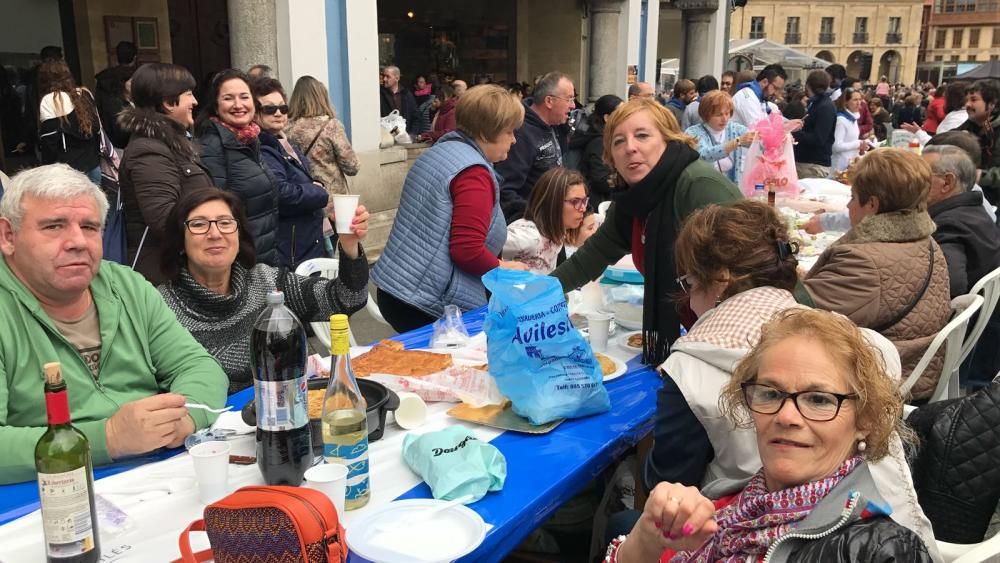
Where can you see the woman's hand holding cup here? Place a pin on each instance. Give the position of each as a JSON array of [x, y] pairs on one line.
[[351, 241]]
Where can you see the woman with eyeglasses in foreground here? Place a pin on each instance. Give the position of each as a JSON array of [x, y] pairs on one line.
[[823, 408], [301, 200], [217, 289], [553, 219]]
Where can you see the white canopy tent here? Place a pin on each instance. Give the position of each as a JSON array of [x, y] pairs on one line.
[[746, 54]]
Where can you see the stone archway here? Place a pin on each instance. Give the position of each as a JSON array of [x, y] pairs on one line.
[[889, 65], [859, 64], [826, 56]]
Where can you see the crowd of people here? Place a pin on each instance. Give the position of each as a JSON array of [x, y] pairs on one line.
[[780, 391]]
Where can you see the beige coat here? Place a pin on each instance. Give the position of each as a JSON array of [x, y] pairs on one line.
[[875, 271], [331, 157]]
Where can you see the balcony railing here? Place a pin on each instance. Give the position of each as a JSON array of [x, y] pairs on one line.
[[893, 38], [793, 38], [827, 38], [860, 38], [758, 35]]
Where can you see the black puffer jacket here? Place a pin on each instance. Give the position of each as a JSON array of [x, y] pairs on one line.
[[878, 540], [957, 469], [238, 168]]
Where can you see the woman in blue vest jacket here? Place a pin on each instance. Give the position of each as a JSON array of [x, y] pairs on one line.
[[449, 228]]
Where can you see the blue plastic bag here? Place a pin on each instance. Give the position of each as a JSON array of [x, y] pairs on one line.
[[539, 360]]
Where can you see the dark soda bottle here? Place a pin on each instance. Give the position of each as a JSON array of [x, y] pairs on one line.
[[278, 347]]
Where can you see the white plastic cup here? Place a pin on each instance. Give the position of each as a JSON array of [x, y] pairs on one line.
[[412, 410], [599, 324], [593, 297], [344, 206], [331, 480], [211, 469]]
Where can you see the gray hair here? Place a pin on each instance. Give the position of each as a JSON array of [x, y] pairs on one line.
[[52, 181], [548, 85], [392, 69], [953, 160]]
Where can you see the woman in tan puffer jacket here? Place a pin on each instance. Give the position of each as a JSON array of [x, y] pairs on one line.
[[887, 273]]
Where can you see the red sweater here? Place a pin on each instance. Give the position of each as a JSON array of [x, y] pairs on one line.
[[935, 114], [472, 197]]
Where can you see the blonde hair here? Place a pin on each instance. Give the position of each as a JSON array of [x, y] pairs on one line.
[[662, 119], [310, 98], [899, 178], [484, 112], [714, 102], [879, 404]]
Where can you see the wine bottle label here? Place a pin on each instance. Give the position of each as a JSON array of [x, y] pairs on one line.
[[282, 405], [66, 513], [355, 457]]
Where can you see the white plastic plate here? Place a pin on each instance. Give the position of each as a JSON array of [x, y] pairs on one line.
[[389, 534]]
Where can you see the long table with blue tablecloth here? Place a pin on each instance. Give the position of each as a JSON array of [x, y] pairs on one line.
[[544, 471]]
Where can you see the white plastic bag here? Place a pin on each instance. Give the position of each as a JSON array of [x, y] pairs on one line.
[[395, 124], [465, 384]]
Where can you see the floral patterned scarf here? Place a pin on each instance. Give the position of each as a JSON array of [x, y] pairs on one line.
[[245, 135], [757, 518]]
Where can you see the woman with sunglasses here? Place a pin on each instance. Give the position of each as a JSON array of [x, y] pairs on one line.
[[229, 139], [301, 200], [821, 411], [553, 218], [217, 289]]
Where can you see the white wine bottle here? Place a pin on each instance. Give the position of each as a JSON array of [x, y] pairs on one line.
[[65, 481], [345, 422]]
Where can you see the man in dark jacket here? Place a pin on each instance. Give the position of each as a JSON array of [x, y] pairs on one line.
[[586, 150], [396, 96], [815, 140], [536, 148], [969, 239], [983, 104], [110, 92]]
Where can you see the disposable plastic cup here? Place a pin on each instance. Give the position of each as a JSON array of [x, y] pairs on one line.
[[344, 206], [599, 324], [211, 469], [593, 297], [331, 480], [412, 410]]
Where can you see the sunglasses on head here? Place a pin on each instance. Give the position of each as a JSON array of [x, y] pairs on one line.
[[271, 110]]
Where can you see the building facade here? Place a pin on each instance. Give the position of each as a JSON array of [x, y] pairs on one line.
[[871, 39], [960, 35]]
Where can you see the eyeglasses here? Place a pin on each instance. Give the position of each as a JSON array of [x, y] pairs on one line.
[[271, 110], [567, 100], [202, 226], [818, 406], [578, 203]]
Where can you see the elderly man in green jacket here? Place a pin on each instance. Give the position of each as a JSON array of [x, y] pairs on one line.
[[129, 366]]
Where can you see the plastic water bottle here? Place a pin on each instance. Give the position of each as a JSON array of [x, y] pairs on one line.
[[759, 194], [278, 359], [345, 422]]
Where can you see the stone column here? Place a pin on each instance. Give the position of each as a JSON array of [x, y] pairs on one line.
[[253, 33], [604, 27], [696, 24]]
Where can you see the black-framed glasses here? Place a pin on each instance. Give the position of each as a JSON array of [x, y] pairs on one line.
[[202, 226], [271, 110], [818, 406], [578, 203]]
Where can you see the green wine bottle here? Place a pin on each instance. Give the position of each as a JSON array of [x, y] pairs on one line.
[[65, 481]]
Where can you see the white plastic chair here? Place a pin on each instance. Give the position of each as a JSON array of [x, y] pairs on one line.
[[984, 551], [989, 288], [953, 336]]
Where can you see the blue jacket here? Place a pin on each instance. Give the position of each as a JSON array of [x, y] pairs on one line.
[[712, 151], [536, 150], [815, 139], [416, 265], [300, 204]]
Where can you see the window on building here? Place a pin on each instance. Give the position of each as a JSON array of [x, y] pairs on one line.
[[757, 27], [894, 34], [996, 36], [995, 57], [938, 58], [971, 58], [956, 38], [895, 24], [826, 35], [861, 30], [939, 38], [792, 36], [954, 58], [974, 38], [952, 6]]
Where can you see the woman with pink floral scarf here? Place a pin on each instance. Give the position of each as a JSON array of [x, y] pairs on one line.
[[823, 407]]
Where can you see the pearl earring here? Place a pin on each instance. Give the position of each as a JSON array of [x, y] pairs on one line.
[[862, 446]]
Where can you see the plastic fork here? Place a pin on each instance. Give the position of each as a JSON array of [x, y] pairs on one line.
[[207, 408]]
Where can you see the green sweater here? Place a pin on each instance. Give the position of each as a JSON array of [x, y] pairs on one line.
[[698, 185], [144, 351]]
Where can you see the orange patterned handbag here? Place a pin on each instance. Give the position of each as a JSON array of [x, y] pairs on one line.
[[271, 525]]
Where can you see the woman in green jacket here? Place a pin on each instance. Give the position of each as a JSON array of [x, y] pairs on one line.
[[664, 181]]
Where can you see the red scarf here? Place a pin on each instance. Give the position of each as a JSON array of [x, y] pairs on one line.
[[245, 135]]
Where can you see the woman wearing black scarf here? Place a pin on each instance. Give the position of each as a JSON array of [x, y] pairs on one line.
[[664, 182]]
